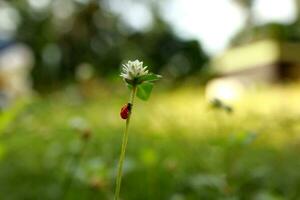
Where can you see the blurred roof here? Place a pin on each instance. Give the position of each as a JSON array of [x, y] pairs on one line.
[[256, 54]]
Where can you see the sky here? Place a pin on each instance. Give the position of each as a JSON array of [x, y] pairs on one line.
[[212, 22]]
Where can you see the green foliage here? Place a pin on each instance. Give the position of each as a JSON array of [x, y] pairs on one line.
[[148, 78], [179, 148], [144, 90], [279, 32], [145, 85], [8, 115], [92, 35], [245, 3]]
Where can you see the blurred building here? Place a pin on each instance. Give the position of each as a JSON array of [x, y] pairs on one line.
[[262, 62], [16, 61]]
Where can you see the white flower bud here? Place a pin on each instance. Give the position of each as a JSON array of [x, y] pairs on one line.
[[133, 69]]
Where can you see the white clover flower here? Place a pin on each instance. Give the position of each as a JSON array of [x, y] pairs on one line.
[[133, 69]]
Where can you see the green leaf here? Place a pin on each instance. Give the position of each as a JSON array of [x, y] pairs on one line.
[[144, 90], [149, 78]]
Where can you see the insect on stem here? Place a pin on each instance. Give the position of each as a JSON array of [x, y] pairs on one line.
[[123, 148]]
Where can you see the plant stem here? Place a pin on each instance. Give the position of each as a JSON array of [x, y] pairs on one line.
[[123, 148]]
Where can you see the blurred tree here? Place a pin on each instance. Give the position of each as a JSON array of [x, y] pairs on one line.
[[268, 31], [247, 32], [298, 8], [247, 5], [62, 39], [65, 34], [165, 52], [251, 32]]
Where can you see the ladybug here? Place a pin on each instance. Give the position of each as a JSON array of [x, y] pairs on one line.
[[125, 111]]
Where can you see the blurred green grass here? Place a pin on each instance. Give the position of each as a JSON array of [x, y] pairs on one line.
[[179, 148]]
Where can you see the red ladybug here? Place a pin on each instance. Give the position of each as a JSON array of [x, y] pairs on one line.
[[125, 111]]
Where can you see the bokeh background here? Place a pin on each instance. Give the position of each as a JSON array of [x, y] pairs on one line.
[[223, 123]]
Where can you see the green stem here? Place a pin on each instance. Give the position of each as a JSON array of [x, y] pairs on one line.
[[123, 148]]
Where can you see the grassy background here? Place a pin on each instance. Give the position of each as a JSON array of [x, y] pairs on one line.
[[179, 148]]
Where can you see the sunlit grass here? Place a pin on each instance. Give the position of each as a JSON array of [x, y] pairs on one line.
[[180, 148]]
